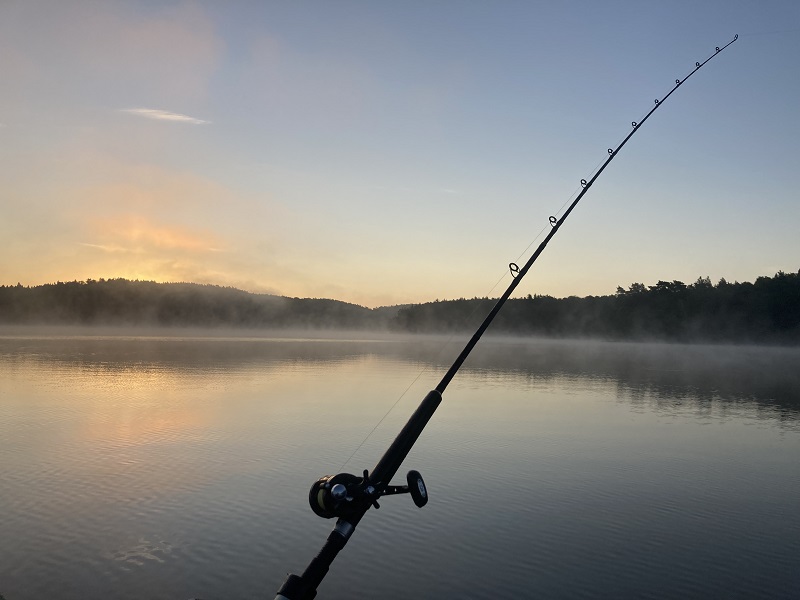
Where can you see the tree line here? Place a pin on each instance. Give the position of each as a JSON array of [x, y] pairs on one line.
[[767, 310]]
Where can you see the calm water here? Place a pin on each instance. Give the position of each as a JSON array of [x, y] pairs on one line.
[[147, 467]]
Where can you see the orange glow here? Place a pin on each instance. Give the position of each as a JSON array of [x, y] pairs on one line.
[[142, 234]]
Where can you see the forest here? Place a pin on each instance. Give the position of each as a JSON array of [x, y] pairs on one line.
[[764, 311]]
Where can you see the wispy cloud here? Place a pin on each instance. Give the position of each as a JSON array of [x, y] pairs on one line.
[[164, 115], [140, 234], [105, 247]]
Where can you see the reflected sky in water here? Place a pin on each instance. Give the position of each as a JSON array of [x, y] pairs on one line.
[[167, 467]]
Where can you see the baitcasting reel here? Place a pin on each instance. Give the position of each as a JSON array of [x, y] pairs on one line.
[[339, 495]]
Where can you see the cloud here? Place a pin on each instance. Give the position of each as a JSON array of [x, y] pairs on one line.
[[139, 234], [104, 247], [164, 115]]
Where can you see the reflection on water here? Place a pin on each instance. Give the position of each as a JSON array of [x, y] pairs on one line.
[[166, 467]]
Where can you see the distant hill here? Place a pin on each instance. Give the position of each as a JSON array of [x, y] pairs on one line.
[[766, 311], [124, 302]]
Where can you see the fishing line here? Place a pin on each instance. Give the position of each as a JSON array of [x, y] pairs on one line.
[[771, 32], [383, 418], [446, 344], [556, 223], [513, 268]]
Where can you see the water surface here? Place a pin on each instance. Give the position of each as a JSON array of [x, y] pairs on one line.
[[175, 467]]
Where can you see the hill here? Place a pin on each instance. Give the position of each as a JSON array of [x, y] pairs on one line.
[[124, 302]]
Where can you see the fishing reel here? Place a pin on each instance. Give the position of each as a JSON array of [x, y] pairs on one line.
[[341, 495]]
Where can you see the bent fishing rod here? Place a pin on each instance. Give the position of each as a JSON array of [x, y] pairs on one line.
[[348, 497]]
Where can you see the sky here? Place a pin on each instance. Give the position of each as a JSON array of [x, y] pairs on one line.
[[393, 152]]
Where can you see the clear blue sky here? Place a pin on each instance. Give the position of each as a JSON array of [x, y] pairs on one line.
[[389, 152]]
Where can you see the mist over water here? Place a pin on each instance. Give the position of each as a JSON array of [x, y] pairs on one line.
[[173, 467]]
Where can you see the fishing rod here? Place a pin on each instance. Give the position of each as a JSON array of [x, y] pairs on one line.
[[348, 497]]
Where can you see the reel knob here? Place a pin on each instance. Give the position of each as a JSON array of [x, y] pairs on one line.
[[417, 489], [338, 492]]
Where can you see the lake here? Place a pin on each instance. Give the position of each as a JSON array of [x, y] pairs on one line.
[[178, 466]]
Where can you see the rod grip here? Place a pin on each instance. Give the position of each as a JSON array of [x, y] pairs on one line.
[[305, 587]]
